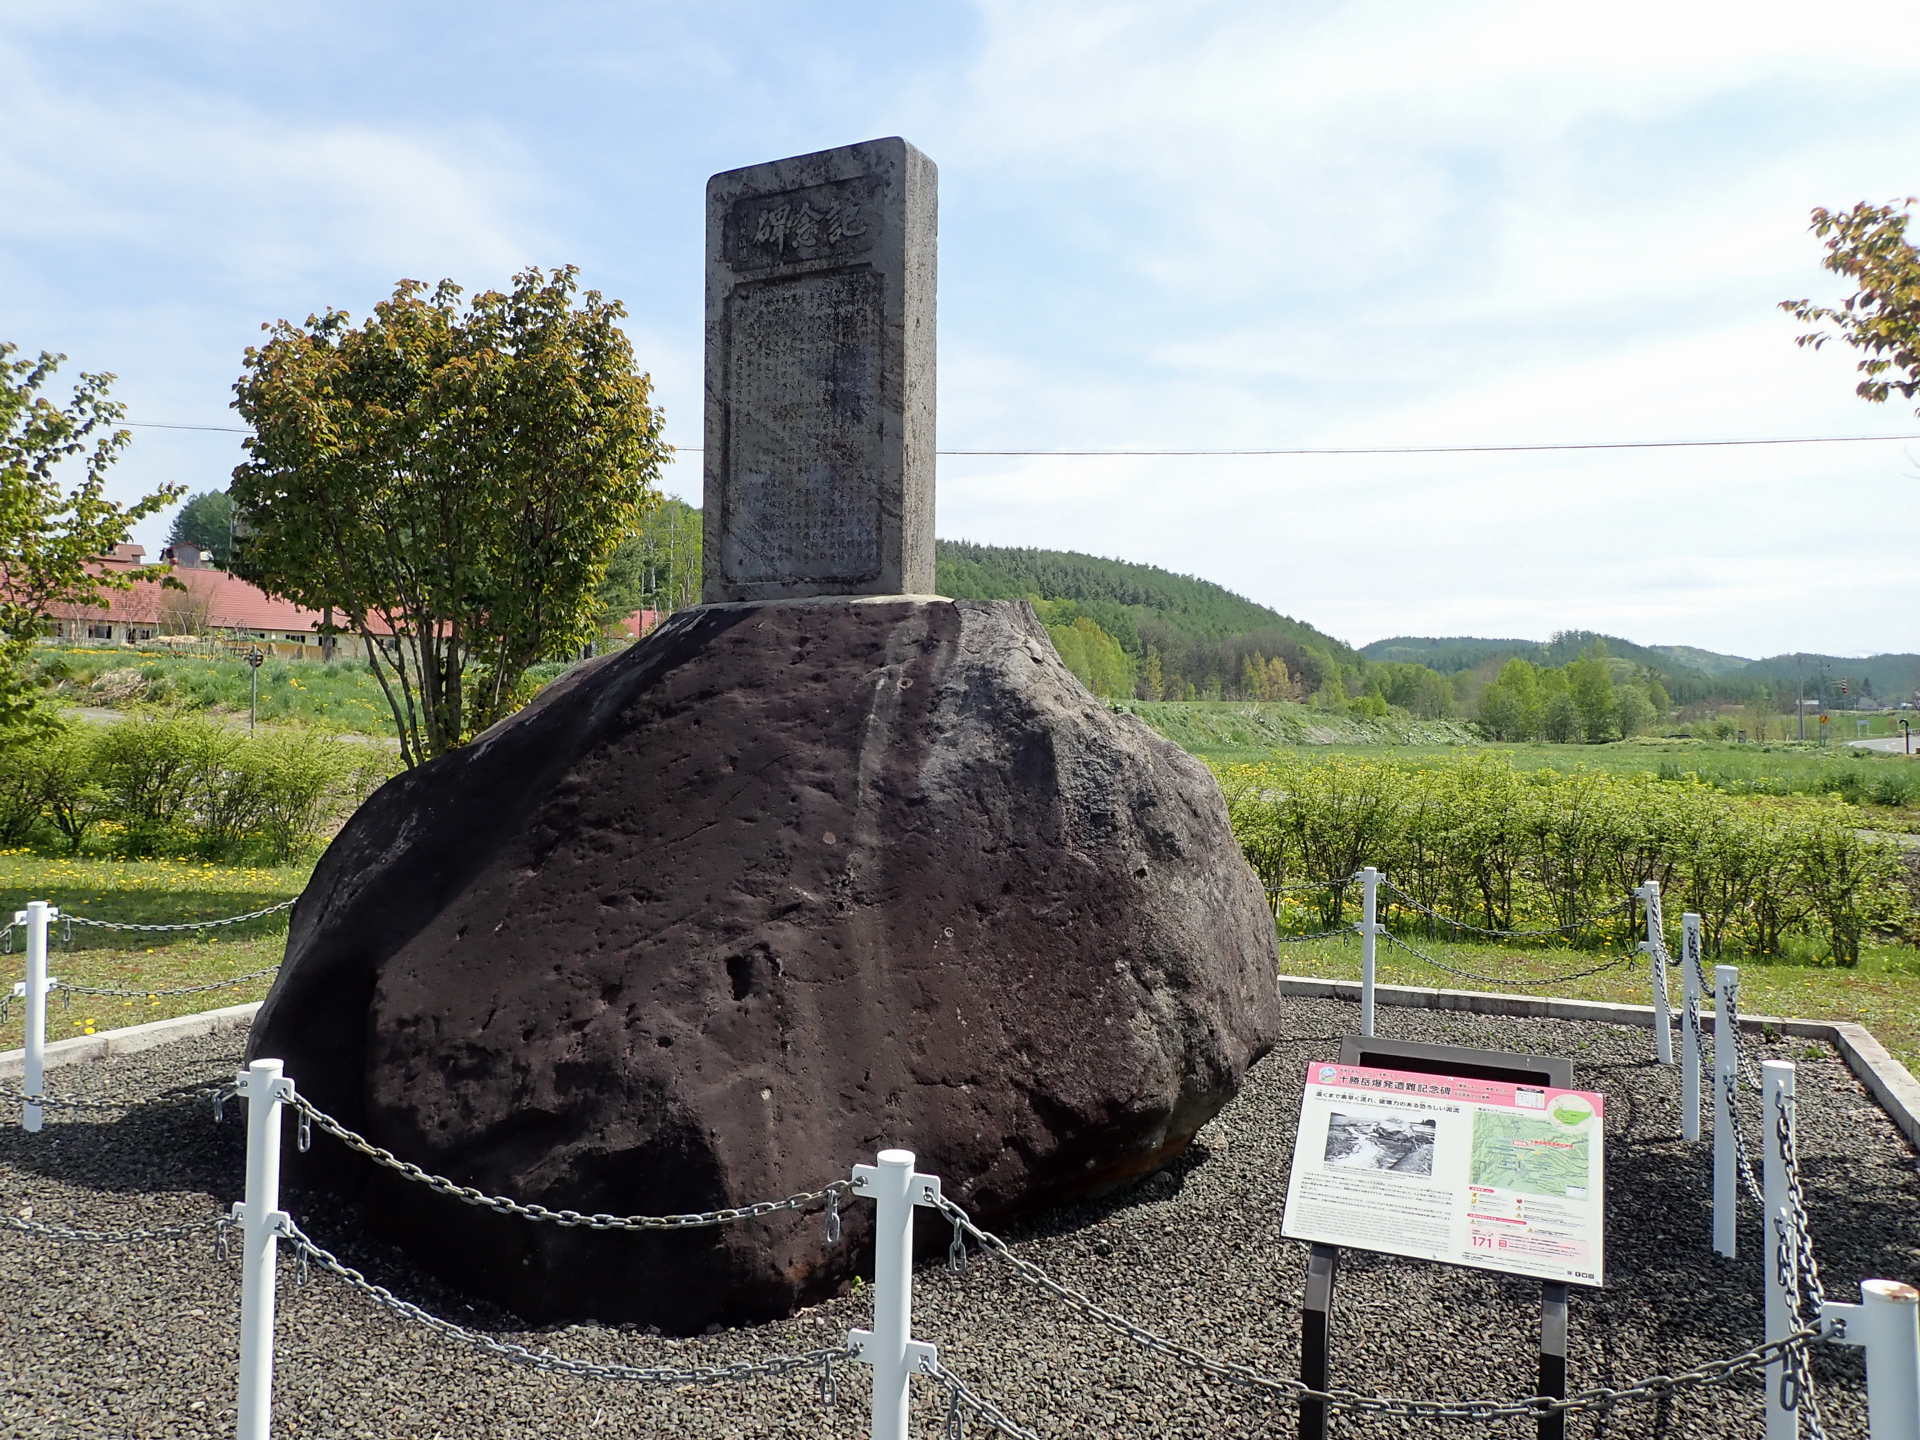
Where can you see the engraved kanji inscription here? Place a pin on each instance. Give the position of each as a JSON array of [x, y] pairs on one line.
[[804, 444]]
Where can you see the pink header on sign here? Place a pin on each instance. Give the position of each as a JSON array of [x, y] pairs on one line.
[[1365, 1080]]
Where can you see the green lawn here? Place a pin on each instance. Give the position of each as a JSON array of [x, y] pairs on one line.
[[1881, 994], [147, 892]]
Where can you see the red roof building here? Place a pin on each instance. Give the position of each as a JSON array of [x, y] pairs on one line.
[[215, 609]]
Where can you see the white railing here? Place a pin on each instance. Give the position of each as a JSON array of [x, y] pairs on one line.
[[1797, 1312], [1886, 1322]]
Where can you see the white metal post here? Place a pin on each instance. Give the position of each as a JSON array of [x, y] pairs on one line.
[[1690, 1026], [1726, 1176], [890, 1347], [260, 1218], [1369, 910], [1655, 946], [1887, 1323], [1776, 1087], [36, 915]]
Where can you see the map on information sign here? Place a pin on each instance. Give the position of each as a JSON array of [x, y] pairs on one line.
[[1471, 1172], [1540, 1157]]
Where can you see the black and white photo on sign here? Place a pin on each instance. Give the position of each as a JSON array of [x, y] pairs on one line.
[[1371, 1141]]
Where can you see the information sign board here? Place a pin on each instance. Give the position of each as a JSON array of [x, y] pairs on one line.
[[1498, 1176]]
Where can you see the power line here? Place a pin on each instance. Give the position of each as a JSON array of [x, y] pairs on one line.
[[1296, 450], [165, 425]]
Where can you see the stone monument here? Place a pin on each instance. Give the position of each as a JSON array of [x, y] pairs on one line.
[[825, 865], [820, 375]]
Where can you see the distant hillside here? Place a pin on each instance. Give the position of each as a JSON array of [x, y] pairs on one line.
[[1688, 672], [1892, 678], [1705, 661], [1447, 654], [1464, 652], [1183, 602], [1202, 634]]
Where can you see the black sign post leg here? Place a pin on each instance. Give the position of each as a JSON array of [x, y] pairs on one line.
[[1553, 1357], [1316, 1338]]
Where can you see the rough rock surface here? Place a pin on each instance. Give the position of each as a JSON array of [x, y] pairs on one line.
[[721, 915]]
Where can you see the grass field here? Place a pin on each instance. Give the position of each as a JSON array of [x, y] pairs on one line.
[[1881, 994], [1885, 787], [341, 696], [145, 892]]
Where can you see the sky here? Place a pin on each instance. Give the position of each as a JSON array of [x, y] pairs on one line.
[[1162, 226]]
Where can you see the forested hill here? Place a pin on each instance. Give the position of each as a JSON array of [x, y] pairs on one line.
[[1689, 674], [1452, 653], [1200, 632], [1198, 607]]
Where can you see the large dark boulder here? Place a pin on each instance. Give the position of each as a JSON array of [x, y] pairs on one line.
[[717, 917]]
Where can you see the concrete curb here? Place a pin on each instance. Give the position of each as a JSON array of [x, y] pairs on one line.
[[1885, 1077], [13, 1063]]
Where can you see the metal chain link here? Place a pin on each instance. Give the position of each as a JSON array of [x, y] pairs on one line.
[[829, 1195], [1612, 964], [1317, 935], [542, 1360], [1786, 1130], [12, 1096], [1729, 1096], [113, 1237], [1412, 904], [71, 920], [961, 1399], [1798, 1272], [1603, 1398], [174, 990], [9, 1095]]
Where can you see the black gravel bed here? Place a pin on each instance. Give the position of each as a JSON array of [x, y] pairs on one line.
[[139, 1340]]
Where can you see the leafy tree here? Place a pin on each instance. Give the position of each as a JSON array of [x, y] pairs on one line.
[[1153, 683], [655, 567], [1510, 707], [1633, 712], [1265, 679], [1094, 656], [1560, 718], [449, 483], [1868, 245], [49, 534], [1590, 681], [206, 520]]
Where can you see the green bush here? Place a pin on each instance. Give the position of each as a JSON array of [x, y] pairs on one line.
[[146, 768], [185, 782], [1481, 842], [74, 798]]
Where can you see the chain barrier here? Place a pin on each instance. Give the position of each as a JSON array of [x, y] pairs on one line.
[[67, 922], [1655, 1388], [740, 1370], [29, 1226], [228, 983], [1586, 922], [11, 1096], [829, 1195], [962, 1401], [1317, 935], [1605, 965], [1798, 1272]]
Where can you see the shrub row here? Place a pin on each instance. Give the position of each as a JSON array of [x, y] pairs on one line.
[[1481, 842], [160, 783]]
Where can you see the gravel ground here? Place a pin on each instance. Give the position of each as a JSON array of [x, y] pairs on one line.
[[139, 1341]]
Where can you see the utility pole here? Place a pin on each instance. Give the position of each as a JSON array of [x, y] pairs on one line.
[[254, 657], [1800, 703]]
